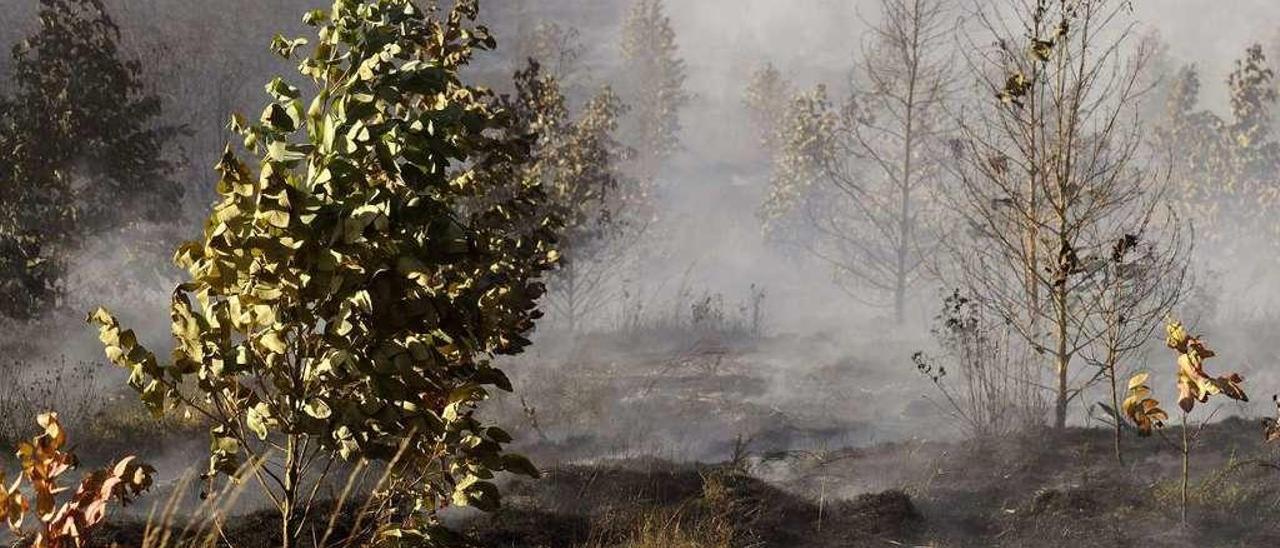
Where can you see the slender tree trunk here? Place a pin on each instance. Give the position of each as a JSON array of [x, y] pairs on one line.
[[899, 301], [904, 231], [288, 500], [1063, 360], [908, 150], [571, 297], [1186, 457], [1115, 402]]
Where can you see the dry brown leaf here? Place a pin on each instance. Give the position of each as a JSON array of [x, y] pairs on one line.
[[1142, 410]]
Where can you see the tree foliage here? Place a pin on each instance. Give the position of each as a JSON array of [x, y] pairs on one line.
[[654, 76], [578, 160], [350, 290], [1194, 385], [1143, 410], [1225, 168], [81, 150], [863, 172], [768, 97]]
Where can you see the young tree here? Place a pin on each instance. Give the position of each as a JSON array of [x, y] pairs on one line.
[[875, 158], [1136, 286], [81, 151], [349, 292], [577, 159], [767, 98], [557, 49], [1226, 167], [653, 75], [1050, 178], [1195, 385]]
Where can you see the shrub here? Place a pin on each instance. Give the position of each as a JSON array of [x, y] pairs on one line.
[[67, 524], [349, 293]]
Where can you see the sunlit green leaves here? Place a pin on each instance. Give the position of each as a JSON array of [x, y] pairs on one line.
[[285, 47], [355, 279]]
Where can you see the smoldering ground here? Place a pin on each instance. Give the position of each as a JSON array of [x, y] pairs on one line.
[[716, 342]]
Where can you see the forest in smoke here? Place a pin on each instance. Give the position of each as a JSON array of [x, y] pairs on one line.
[[639, 273]]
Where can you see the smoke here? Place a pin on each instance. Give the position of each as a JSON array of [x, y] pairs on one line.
[[709, 239], [1201, 32]]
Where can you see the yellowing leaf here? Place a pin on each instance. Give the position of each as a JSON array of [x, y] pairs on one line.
[[1138, 380], [1145, 413], [273, 342]]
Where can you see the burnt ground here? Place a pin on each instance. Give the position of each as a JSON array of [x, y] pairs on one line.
[[712, 444], [1034, 489], [1043, 489]]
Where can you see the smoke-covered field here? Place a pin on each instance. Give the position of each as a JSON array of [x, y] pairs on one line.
[[639, 273]]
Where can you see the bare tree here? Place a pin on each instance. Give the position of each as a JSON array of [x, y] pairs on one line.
[[1051, 179], [874, 158], [1140, 283], [983, 384]]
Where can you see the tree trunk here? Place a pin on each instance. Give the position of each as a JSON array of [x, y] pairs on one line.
[[1115, 402], [1063, 360], [899, 301], [571, 297], [904, 235], [1186, 457], [904, 211], [289, 534]]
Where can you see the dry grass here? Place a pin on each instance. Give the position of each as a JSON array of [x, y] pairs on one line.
[[660, 528]]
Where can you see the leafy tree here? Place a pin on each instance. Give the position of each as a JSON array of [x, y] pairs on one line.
[[873, 160], [1253, 97], [654, 77], [1225, 169], [81, 150], [349, 292], [768, 97], [556, 48], [578, 161], [1194, 134]]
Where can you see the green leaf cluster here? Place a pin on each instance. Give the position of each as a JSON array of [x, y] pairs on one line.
[[354, 282]]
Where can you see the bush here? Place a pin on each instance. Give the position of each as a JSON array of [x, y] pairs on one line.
[[349, 293]]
